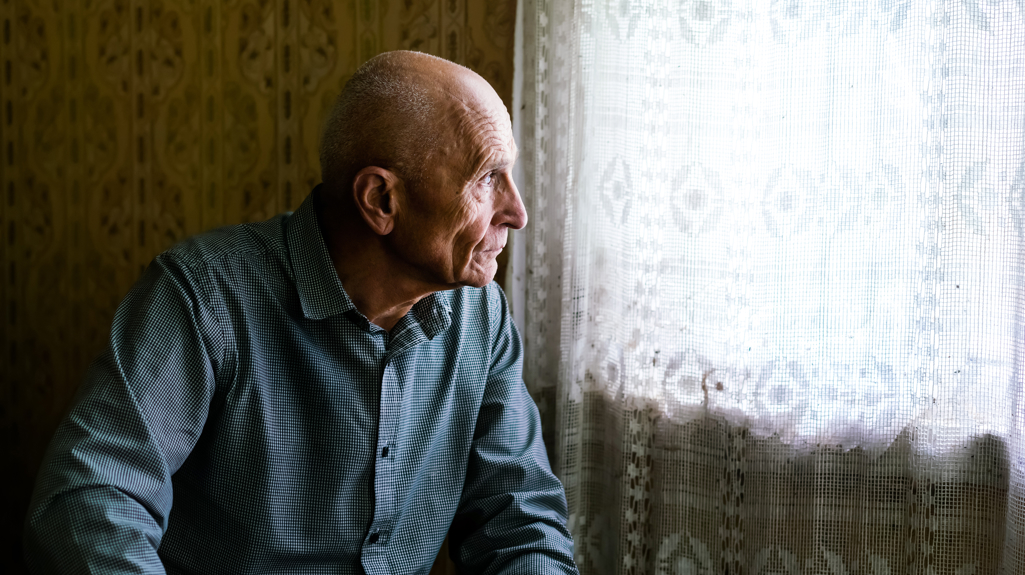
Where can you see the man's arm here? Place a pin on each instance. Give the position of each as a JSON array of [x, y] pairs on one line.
[[512, 515], [103, 493]]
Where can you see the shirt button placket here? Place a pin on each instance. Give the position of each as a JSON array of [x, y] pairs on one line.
[[374, 560]]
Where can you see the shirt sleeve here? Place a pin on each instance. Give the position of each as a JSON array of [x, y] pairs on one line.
[[103, 494], [512, 514]]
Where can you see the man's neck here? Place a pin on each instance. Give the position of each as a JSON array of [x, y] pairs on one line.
[[382, 302], [382, 294]]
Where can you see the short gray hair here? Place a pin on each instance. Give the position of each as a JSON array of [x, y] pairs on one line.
[[383, 118]]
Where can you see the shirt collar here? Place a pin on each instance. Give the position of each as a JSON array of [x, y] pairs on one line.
[[433, 313], [321, 292]]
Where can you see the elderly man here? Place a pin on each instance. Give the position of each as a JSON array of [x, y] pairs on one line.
[[330, 391]]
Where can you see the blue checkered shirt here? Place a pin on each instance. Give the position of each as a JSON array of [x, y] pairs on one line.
[[246, 418]]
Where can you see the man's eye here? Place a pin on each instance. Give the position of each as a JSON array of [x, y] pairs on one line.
[[487, 180]]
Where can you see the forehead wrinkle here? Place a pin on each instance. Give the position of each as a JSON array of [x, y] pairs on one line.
[[476, 125], [483, 137], [511, 157]]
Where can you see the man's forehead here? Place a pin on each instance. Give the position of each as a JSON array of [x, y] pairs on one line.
[[498, 136], [486, 119], [479, 103]]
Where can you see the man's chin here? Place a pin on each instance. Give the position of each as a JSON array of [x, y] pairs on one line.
[[479, 280], [481, 276]]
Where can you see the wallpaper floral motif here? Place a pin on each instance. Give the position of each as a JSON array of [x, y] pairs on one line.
[[128, 125]]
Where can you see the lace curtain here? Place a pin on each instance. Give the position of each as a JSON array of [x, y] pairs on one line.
[[772, 288]]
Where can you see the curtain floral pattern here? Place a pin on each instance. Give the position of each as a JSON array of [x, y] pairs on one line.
[[771, 293]]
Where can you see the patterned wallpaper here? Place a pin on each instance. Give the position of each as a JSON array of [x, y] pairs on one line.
[[128, 125]]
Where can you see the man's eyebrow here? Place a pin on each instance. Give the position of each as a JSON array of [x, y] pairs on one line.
[[501, 161]]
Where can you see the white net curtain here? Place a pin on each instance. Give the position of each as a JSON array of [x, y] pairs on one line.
[[772, 287]]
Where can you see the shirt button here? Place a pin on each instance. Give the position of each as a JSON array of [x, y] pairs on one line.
[[373, 538], [384, 452]]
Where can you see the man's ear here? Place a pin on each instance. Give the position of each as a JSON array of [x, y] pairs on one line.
[[376, 194]]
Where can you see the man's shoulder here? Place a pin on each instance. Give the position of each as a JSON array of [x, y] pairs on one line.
[[472, 304], [216, 247], [490, 295]]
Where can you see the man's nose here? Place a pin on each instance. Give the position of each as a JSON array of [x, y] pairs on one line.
[[511, 211]]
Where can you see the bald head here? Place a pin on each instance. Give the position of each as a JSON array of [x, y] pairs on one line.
[[397, 112]]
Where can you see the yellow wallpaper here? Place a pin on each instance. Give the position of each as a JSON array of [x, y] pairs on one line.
[[128, 125]]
